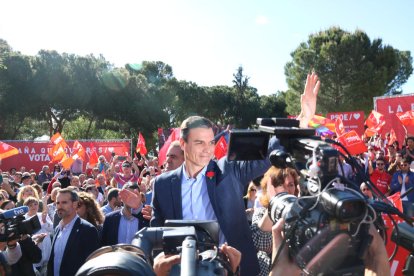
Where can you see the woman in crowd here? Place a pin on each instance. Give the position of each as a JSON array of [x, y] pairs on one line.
[[89, 210], [274, 181], [45, 241], [249, 200], [26, 192]]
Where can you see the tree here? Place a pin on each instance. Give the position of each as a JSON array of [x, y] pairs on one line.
[[352, 69]]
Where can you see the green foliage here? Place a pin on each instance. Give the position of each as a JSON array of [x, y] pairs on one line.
[[352, 69]]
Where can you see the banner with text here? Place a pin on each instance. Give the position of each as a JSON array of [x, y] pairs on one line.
[[389, 106], [33, 155], [353, 120]]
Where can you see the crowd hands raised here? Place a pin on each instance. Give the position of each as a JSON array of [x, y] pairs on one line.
[[108, 203]]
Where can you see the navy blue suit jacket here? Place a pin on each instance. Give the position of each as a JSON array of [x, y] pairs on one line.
[[111, 227], [225, 191], [82, 241]]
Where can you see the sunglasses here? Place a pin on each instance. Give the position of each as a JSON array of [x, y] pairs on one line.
[[404, 165], [380, 164], [365, 189], [253, 190]]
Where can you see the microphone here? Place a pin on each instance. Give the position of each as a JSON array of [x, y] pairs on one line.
[[14, 212]]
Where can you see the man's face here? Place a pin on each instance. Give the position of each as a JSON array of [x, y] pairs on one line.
[[199, 148], [405, 167], [175, 158], [101, 180], [380, 165], [410, 143], [75, 181], [117, 202], [126, 169], [65, 207]]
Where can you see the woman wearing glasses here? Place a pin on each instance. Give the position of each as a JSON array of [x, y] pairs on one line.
[[249, 200]]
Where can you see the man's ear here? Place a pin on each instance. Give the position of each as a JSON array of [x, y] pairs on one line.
[[182, 142]]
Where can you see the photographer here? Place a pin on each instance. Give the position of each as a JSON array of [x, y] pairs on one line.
[[11, 250]]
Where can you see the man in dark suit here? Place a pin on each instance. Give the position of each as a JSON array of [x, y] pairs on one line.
[[74, 238], [202, 189], [120, 226]]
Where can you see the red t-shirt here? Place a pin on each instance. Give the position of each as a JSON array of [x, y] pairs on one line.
[[381, 180]]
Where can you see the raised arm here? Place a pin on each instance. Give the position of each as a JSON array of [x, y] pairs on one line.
[[308, 99]]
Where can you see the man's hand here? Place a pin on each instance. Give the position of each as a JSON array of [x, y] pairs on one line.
[[147, 212], [308, 99], [131, 199], [233, 255], [163, 264]]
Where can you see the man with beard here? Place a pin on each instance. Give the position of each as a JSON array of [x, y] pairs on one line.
[[74, 238], [380, 177]]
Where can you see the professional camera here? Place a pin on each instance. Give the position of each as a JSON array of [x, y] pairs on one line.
[[186, 237], [14, 224], [329, 210]]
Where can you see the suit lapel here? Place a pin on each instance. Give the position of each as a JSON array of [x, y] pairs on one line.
[[72, 237], [176, 194]]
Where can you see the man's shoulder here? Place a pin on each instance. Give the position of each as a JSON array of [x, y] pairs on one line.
[[113, 214], [168, 175]]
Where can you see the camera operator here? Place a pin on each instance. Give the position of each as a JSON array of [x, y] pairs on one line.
[[376, 259], [11, 250], [274, 181]]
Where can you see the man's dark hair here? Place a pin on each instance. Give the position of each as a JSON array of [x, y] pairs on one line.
[[45, 185], [405, 160], [113, 193], [381, 159], [410, 138], [194, 122], [73, 194]]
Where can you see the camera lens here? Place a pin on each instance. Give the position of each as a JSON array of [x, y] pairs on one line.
[[279, 205]]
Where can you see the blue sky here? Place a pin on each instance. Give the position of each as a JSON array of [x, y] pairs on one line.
[[203, 40]]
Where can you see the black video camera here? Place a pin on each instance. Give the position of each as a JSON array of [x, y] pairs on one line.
[[14, 224], [186, 237]]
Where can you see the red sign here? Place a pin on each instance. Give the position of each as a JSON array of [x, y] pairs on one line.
[[33, 155], [389, 106], [396, 264], [353, 120]]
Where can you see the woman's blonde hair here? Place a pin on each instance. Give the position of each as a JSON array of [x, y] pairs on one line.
[[277, 177], [251, 185], [23, 190]]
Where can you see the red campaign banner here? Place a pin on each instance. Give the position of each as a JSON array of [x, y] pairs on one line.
[[33, 155], [396, 264], [389, 106], [352, 120]]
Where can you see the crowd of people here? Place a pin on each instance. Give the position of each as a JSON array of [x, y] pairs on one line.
[[80, 212]]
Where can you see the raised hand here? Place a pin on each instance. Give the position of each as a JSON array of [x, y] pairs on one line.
[[308, 99]]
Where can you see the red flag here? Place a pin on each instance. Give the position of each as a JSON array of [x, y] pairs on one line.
[[58, 153], [393, 137], [396, 200], [93, 157], [221, 148], [352, 142], [175, 135], [406, 118], [375, 121], [58, 139], [67, 161], [339, 126], [7, 150], [78, 150], [141, 145]]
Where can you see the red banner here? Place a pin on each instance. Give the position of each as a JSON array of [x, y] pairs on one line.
[[33, 155], [389, 106], [353, 120]]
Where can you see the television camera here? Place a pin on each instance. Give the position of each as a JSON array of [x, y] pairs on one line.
[[14, 224], [329, 208]]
